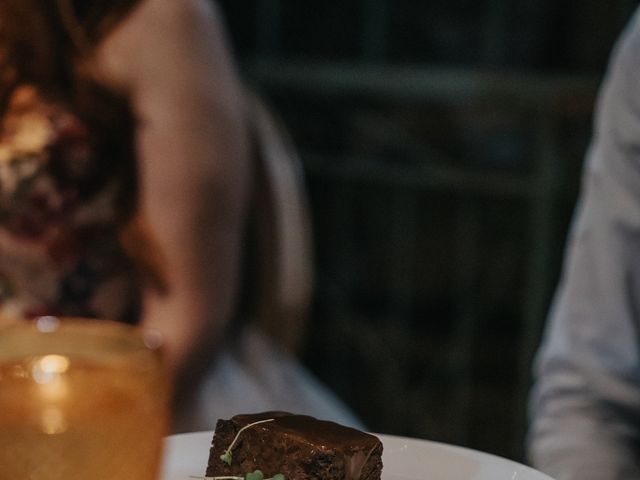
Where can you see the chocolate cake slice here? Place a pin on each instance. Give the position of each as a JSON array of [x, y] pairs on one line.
[[296, 446]]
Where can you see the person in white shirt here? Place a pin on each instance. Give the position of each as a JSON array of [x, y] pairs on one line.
[[585, 404]]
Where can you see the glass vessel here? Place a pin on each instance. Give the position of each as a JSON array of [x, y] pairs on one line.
[[81, 399]]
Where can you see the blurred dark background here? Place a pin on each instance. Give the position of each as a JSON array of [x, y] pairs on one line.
[[442, 145]]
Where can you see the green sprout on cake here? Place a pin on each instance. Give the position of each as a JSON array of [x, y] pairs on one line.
[[227, 457], [255, 475]]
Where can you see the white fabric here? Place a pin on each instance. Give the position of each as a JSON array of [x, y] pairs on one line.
[[585, 408], [255, 377]]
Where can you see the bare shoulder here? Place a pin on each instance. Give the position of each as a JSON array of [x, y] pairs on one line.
[[171, 20], [186, 13], [155, 32]]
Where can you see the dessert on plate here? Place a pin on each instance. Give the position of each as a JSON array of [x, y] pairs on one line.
[[281, 445]]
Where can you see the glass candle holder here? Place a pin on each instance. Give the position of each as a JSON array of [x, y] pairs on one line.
[[81, 399]]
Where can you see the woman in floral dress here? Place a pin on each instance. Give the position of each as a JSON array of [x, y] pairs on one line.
[[124, 180]]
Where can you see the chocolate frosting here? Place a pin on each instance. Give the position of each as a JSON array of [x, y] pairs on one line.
[[353, 445]]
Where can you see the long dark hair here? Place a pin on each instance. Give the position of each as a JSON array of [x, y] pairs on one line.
[[42, 41]]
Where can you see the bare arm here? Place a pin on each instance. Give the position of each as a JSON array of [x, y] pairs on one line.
[[170, 56]]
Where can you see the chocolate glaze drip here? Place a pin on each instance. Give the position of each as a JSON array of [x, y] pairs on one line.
[[320, 433]]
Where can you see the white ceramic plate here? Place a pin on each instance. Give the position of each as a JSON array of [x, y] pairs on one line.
[[404, 459]]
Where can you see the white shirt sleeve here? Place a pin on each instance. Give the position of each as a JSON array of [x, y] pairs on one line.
[[585, 405]]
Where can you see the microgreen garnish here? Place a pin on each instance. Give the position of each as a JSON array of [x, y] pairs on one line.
[[255, 475], [227, 457], [217, 478]]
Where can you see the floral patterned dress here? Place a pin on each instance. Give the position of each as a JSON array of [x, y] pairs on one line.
[[63, 252], [60, 249]]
